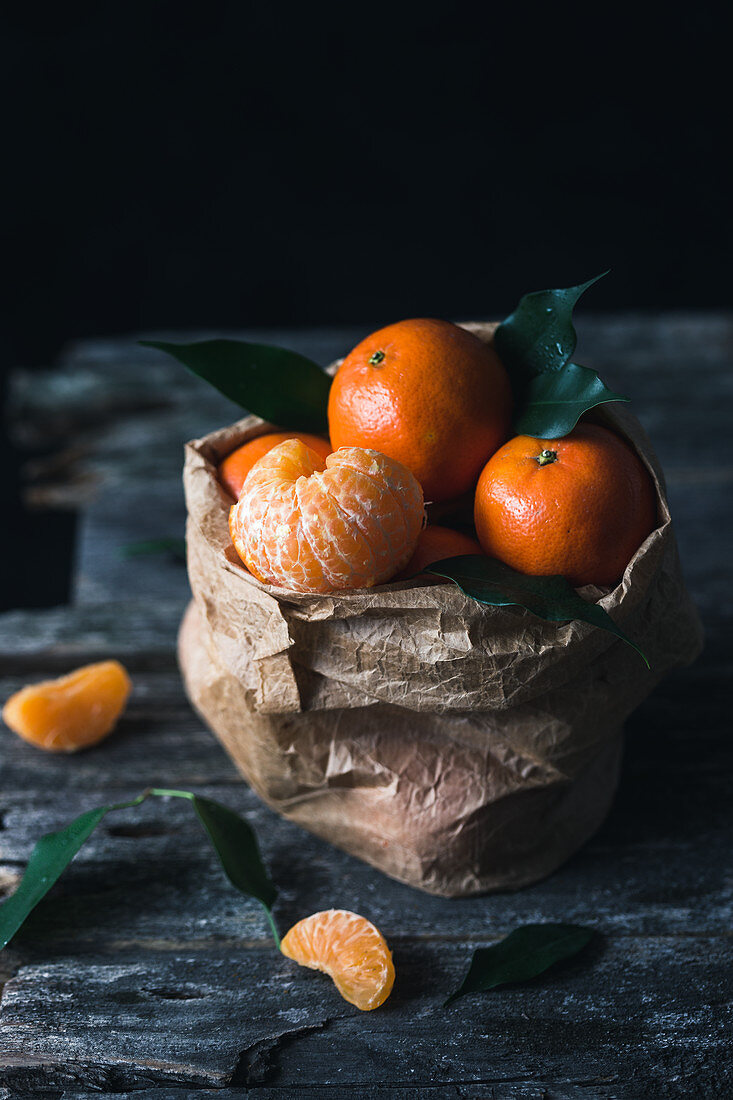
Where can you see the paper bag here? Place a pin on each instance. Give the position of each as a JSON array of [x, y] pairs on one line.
[[458, 748]]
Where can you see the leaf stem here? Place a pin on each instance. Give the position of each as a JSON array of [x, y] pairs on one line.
[[164, 793], [273, 926]]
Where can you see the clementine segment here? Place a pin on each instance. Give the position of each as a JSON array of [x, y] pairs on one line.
[[235, 467], [350, 950], [579, 506], [435, 543], [428, 394], [72, 712], [310, 527]]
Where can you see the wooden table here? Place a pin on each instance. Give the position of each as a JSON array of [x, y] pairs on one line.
[[144, 971]]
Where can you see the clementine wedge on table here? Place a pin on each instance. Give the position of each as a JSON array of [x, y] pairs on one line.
[[234, 468], [579, 506], [72, 712], [429, 394], [311, 526], [436, 542], [349, 949]]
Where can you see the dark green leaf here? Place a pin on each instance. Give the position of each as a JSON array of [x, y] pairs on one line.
[[237, 848], [524, 954], [232, 837], [49, 859], [554, 402], [539, 335], [491, 582], [176, 547], [278, 385]]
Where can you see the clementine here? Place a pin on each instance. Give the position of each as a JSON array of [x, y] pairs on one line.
[[436, 542], [71, 712], [427, 393], [311, 526], [579, 506], [349, 949], [235, 467]]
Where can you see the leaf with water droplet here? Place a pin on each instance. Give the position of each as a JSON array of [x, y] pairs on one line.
[[555, 401], [539, 335]]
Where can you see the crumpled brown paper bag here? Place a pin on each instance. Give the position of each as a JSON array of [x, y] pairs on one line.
[[459, 748]]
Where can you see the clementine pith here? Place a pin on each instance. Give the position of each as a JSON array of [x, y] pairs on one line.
[[427, 393], [311, 526], [349, 949], [235, 467], [579, 506]]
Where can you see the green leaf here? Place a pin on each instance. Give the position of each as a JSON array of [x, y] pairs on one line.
[[539, 335], [278, 385], [553, 598], [233, 839], [524, 954], [49, 859], [236, 845], [554, 402], [535, 344], [175, 547]]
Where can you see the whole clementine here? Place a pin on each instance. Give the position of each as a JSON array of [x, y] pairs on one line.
[[427, 393], [235, 467], [434, 544], [579, 506]]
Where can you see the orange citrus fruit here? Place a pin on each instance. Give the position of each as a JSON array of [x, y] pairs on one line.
[[579, 506], [235, 467], [436, 542], [429, 394], [72, 712], [311, 526], [349, 949]]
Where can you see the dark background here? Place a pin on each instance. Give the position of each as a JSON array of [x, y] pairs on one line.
[[223, 165], [231, 165]]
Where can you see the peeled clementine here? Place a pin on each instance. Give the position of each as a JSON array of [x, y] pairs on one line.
[[429, 394], [349, 949], [436, 542], [579, 506], [235, 467], [311, 526], [72, 712]]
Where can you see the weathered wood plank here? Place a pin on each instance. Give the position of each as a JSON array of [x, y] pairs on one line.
[[208, 1019], [141, 632]]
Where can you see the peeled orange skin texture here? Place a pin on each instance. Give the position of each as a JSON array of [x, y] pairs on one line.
[[73, 712], [582, 515], [310, 527], [429, 394], [350, 950], [436, 542], [234, 468]]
